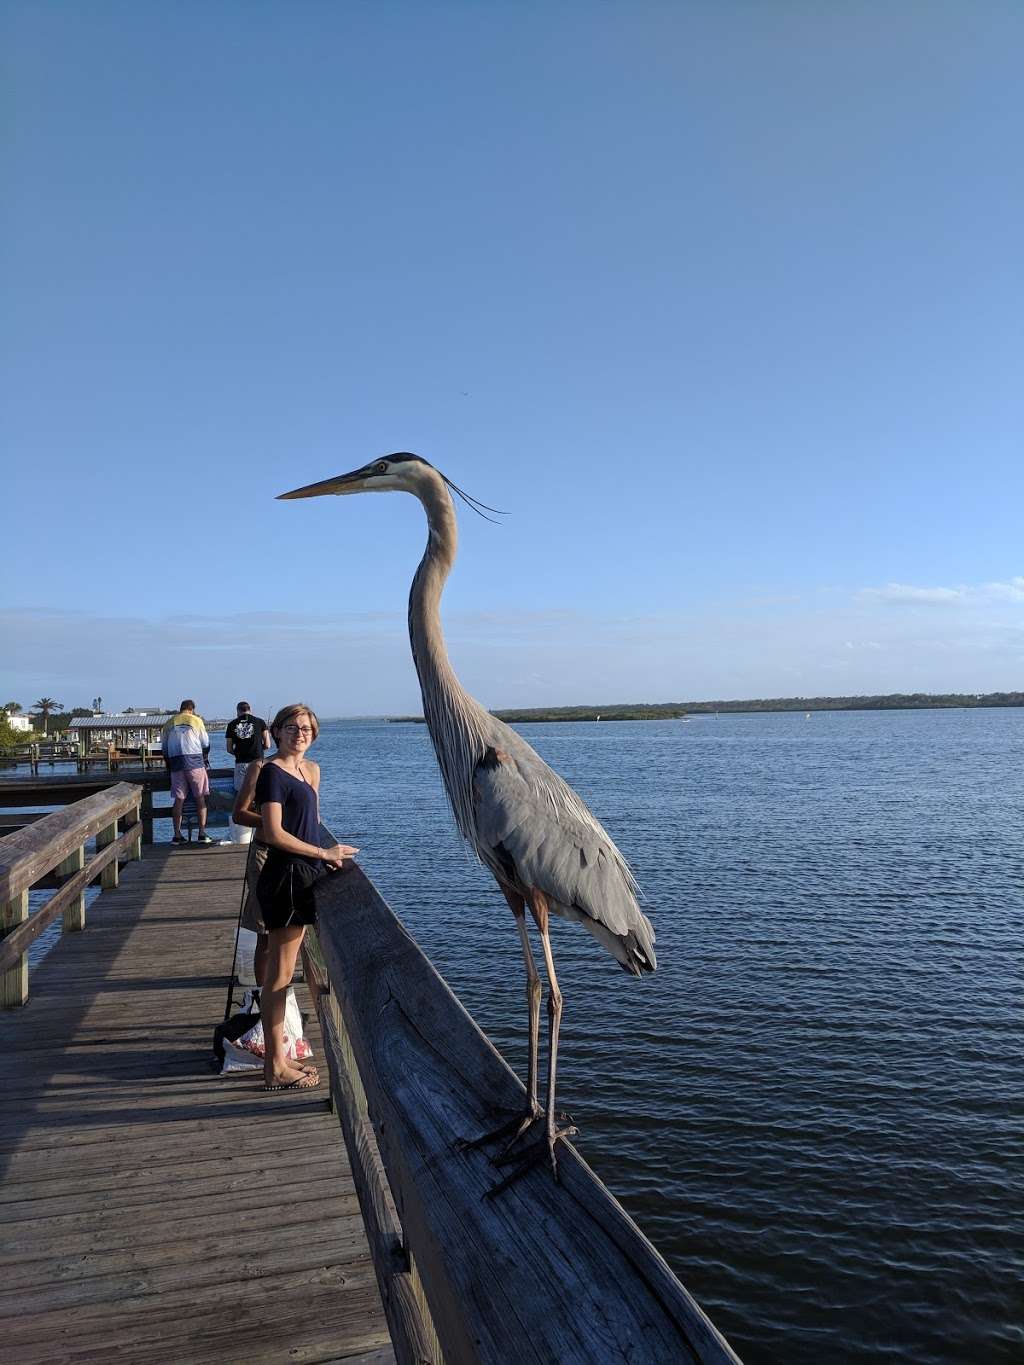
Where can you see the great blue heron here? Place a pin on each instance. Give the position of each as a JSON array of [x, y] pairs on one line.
[[544, 847]]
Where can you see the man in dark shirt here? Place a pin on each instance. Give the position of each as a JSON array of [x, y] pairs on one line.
[[248, 739]]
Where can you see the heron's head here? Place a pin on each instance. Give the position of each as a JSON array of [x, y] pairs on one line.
[[400, 473]]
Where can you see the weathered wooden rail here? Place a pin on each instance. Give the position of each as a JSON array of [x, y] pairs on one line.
[[67, 787], [37, 755], [34, 755], [56, 843], [546, 1272]]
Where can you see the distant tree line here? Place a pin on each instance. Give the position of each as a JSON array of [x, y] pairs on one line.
[[893, 701], [47, 716]]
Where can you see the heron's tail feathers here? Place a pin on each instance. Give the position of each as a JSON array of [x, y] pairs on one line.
[[633, 950], [640, 956]]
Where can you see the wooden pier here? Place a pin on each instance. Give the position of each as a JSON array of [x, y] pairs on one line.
[[152, 1210], [155, 1211]]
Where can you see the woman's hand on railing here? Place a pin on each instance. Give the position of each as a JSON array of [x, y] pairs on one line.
[[336, 857]]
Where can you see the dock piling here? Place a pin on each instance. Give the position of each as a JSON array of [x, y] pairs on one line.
[[14, 979]]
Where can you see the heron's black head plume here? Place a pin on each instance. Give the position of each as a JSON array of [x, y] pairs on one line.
[[480, 508]]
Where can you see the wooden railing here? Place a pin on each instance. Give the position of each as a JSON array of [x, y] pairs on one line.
[[67, 787], [215, 800], [55, 843], [547, 1271], [35, 755]]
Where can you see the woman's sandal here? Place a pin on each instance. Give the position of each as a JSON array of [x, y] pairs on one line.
[[307, 1081]]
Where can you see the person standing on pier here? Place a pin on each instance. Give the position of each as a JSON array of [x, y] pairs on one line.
[[245, 817], [247, 740], [287, 796], [186, 751]]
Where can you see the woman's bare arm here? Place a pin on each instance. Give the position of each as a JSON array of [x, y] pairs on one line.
[[313, 778], [278, 837], [242, 812]]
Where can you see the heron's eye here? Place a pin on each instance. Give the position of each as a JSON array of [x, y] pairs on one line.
[[382, 467]]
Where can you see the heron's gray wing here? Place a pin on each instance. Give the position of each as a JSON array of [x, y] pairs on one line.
[[522, 816]]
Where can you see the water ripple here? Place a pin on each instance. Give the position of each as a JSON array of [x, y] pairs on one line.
[[814, 1108]]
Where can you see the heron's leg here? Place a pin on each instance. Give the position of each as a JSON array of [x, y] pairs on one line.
[[546, 1146], [533, 994], [539, 906], [515, 1127]]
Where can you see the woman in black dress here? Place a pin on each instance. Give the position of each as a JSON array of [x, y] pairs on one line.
[[287, 795]]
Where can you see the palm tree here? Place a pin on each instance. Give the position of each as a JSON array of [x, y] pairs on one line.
[[46, 706], [11, 707]]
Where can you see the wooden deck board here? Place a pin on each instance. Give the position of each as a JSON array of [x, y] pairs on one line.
[[140, 1190]]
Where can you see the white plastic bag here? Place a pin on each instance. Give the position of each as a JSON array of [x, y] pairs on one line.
[[243, 966], [296, 1047], [237, 1059]]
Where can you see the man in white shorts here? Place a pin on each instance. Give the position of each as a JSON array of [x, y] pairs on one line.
[[247, 740], [186, 750]]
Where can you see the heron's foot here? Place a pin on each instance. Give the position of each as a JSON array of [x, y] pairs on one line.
[[524, 1127], [512, 1130], [532, 1156]]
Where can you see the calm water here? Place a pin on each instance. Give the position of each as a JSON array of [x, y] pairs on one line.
[[814, 1108]]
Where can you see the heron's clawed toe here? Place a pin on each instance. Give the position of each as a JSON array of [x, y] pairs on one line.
[[529, 1157], [512, 1130], [527, 1123]]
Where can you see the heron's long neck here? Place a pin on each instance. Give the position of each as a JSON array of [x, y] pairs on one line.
[[425, 634], [453, 717]]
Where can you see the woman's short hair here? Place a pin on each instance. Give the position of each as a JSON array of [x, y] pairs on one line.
[[288, 713]]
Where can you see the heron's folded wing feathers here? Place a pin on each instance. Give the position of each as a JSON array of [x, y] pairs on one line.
[[570, 860]]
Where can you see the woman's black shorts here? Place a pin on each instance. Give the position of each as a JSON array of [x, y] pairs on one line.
[[285, 889]]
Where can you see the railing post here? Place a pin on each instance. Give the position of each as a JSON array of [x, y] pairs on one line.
[[136, 817], [74, 913], [110, 874], [147, 816], [14, 981]]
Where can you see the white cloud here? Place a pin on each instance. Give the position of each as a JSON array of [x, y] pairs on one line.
[[873, 641], [904, 592], [1010, 591]]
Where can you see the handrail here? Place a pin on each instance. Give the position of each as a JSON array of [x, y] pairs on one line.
[[545, 1271], [29, 854], [65, 788], [56, 842], [412, 1333]]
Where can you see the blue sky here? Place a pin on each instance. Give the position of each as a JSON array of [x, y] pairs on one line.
[[721, 301]]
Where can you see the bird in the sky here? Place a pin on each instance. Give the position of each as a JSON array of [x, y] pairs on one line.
[[544, 847]]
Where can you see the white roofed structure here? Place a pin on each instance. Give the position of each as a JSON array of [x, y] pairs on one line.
[[126, 728]]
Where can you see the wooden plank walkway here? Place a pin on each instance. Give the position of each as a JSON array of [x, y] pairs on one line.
[[150, 1210]]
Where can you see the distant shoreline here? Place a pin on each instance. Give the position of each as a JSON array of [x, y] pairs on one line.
[[894, 701]]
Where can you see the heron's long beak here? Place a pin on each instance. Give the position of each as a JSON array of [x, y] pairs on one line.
[[341, 483]]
